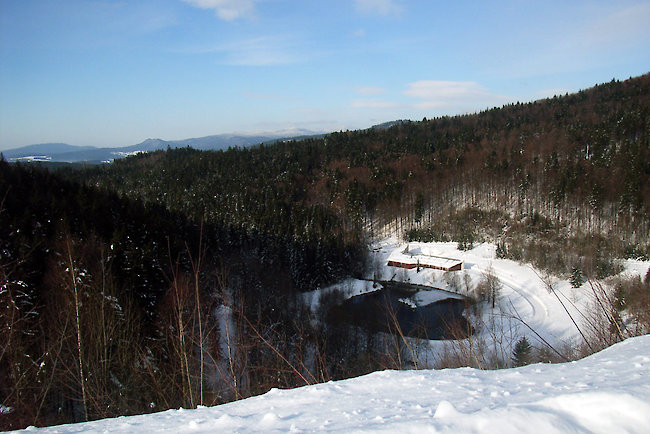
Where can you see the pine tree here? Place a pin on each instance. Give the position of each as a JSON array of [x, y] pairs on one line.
[[502, 250], [522, 353], [576, 277]]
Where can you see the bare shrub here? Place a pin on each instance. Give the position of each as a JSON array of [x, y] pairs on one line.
[[632, 297], [452, 278], [489, 287], [618, 310]]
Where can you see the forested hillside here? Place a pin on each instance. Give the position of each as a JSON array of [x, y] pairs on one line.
[[172, 278], [111, 306], [573, 169]]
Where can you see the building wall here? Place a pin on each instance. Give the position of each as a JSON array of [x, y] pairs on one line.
[[410, 266], [401, 265]]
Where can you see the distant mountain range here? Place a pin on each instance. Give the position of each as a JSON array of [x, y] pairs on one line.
[[61, 152]]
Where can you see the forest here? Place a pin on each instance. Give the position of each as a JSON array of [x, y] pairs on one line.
[[173, 278], [577, 163]]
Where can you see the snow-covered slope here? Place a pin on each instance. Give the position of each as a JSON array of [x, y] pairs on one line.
[[527, 295], [606, 392], [545, 309]]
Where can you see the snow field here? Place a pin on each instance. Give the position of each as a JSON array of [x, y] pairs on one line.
[[525, 294], [530, 303], [604, 393]]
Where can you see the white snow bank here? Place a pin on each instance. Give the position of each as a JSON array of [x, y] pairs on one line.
[[349, 288], [607, 392], [427, 297], [423, 298]]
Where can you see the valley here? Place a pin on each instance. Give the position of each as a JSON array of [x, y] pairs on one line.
[[342, 216], [184, 278]]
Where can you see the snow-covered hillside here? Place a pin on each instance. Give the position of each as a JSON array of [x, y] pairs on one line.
[[530, 303], [606, 392]]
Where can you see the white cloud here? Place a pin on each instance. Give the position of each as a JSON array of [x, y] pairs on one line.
[[258, 57], [259, 51], [381, 7], [619, 27], [369, 90], [595, 37], [452, 95], [228, 10]]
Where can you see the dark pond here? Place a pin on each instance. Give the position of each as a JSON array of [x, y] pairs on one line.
[[381, 310]]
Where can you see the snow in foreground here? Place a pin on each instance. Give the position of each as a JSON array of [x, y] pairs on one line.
[[607, 392]]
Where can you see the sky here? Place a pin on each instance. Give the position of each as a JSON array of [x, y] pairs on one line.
[[116, 72]]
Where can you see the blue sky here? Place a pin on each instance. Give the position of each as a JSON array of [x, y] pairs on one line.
[[115, 72]]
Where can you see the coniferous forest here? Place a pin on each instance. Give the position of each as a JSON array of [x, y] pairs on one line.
[[173, 278]]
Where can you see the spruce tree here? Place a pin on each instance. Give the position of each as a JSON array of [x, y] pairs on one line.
[[577, 278], [522, 353]]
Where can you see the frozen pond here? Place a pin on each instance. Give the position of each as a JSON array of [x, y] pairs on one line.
[[418, 312]]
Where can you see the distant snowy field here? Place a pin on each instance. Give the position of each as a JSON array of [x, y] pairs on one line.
[[605, 393]]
